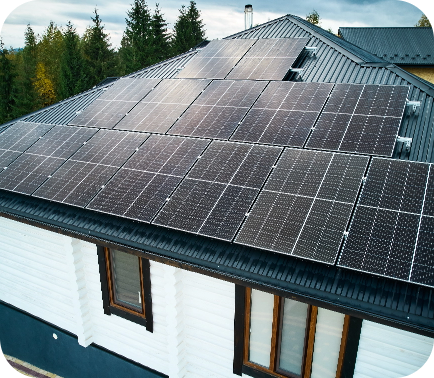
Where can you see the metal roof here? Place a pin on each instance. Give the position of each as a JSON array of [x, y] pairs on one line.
[[398, 45], [335, 61]]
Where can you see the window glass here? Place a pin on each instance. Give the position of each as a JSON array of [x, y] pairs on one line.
[[329, 326], [293, 336], [261, 324], [126, 279]]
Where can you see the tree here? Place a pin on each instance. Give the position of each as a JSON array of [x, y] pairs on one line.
[[313, 18], [136, 45], [44, 86], [189, 29], [423, 22], [160, 36], [7, 79], [71, 64], [98, 55]]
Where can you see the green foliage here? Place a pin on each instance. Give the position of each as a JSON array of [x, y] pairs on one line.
[[7, 78], [97, 52], [71, 64], [189, 29], [423, 22], [313, 18], [160, 35]]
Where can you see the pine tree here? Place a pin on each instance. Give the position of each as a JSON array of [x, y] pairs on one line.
[[7, 78], [189, 29], [71, 64], [98, 55], [136, 46], [160, 43]]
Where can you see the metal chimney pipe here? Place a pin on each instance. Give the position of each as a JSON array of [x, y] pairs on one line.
[[248, 16]]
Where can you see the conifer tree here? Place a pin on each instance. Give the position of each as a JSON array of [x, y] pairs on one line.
[[136, 46], [7, 77], [98, 55], [71, 64], [160, 43], [188, 29]]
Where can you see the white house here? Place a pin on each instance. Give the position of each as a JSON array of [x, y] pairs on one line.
[[260, 206]]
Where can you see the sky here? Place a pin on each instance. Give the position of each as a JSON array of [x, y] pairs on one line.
[[221, 17]]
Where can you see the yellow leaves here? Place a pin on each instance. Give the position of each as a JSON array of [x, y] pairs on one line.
[[44, 86]]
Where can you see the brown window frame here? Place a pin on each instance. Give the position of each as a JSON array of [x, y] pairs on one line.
[[143, 317], [347, 353]]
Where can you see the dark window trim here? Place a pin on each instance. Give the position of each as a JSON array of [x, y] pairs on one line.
[[111, 308], [347, 353]]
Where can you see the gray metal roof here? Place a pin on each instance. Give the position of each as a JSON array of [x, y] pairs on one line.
[[398, 45]]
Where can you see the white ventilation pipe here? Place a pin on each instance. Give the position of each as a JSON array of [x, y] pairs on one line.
[[248, 16]]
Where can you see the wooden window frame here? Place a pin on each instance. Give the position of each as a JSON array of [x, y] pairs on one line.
[[347, 352], [110, 306]]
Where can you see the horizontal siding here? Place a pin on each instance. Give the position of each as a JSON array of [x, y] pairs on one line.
[[34, 273], [386, 352]]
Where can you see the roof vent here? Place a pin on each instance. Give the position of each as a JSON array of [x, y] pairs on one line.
[[248, 16], [406, 141]]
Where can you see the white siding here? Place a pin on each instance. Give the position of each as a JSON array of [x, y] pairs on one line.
[[386, 352]]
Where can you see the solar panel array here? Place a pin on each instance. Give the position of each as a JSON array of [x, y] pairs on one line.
[[305, 205], [269, 59], [216, 194], [217, 59], [391, 232], [163, 106], [161, 164], [360, 118], [108, 109], [284, 114], [217, 112]]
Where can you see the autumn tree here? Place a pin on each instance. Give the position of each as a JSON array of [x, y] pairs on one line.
[[423, 22], [188, 29], [98, 54], [313, 18], [71, 64], [7, 78]]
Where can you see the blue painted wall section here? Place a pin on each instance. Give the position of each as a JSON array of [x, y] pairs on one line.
[[31, 340]]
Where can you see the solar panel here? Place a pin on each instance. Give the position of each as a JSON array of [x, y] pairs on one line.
[[216, 59], [83, 175], [107, 110], [269, 59], [219, 109], [284, 114], [163, 106], [388, 233], [218, 191], [305, 205], [140, 188], [360, 118], [21, 135]]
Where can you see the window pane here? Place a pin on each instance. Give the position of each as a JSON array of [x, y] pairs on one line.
[[293, 335], [328, 336], [126, 279], [261, 324]]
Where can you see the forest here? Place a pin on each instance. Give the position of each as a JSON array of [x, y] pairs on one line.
[[60, 63]]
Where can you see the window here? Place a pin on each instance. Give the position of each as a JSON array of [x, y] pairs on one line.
[[126, 285], [283, 337]]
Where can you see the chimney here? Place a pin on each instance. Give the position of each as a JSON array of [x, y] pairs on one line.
[[248, 16]]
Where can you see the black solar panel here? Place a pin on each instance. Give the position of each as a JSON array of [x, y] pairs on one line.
[[219, 109], [21, 135], [141, 187], [269, 59], [388, 233], [284, 114], [7, 157], [360, 118], [217, 59], [219, 189], [305, 205], [107, 110], [422, 269], [163, 106]]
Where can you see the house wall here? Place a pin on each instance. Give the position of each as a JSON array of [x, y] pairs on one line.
[[426, 73], [56, 278]]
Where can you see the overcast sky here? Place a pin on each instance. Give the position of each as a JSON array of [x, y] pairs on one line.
[[221, 17]]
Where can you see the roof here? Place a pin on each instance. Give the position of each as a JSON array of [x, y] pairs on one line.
[[336, 61], [406, 46]]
